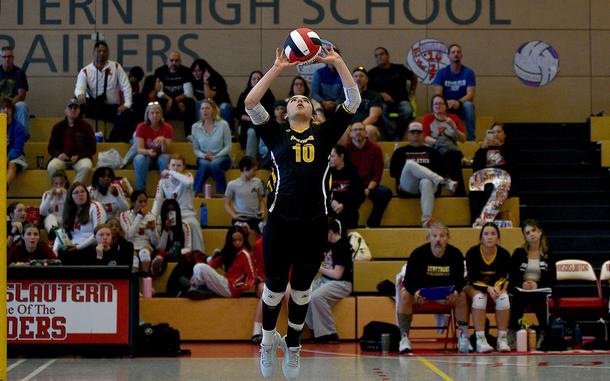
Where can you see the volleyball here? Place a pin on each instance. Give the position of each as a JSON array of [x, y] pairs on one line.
[[426, 57], [302, 45], [536, 63]]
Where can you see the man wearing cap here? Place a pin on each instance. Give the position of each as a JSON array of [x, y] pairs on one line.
[[103, 86], [415, 168], [14, 84], [457, 83], [371, 108], [396, 84], [72, 143]]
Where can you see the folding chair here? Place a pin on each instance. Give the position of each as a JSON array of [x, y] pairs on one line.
[[604, 278], [577, 290]]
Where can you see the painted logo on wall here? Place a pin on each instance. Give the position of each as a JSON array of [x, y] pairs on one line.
[[426, 57], [536, 63], [306, 70]]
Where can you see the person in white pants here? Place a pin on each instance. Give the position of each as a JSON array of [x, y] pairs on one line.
[[415, 168]]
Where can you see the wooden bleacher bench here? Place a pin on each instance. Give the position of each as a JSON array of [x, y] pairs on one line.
[[600, 128], [605, 147]]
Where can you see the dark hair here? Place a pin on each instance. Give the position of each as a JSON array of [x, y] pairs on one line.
[[382, 48], [335, 226], [99, 172], [136, 72], [177, 230], [71, 211], [246, 163], [307, 89], [203, 65], [488, 224], [134, 196], [100, 43], [6, 47], [61, 173], [29, 225], [452, 45], [438, 96], [248, 85], [544, 245], [228, 252], [6, 102], [11, 208], [342, 150], [149, 84]]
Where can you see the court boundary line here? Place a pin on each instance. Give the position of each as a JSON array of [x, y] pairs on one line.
[[15, 364], [38, 370]]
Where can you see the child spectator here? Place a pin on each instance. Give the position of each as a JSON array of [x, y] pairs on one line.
[[30, 248], [108, 250], [16, 216], [110, 195], [175, 238], [140, 229], [244, 198], [177, 184], [239, 274], [53, 201]]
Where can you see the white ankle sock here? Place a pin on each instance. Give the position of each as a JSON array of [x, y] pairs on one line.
[[268, 337]]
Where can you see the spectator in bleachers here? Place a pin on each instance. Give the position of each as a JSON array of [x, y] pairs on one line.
[[16, 137], [140, 227], [53, 201], [119, 240], [416, 168], [434, 264], [495, 152], [347, 188], [396, 84], [327, 89], [367, 157], [107, 250], [247, 136], [30, 248], [244, 200], [14, 85], [443, 131], [151, 92], [488, 265], [153, 139], [175, 238], [175, 183], [279, 112], [300, 87], [236, 260], [178, 87], [532, 268], [110, 195], [212, 147], [457, 83], [81, 216], [103, 88], [72, 143], [209, 84], [16, 216], [335, 283], [136, 75], [370, 111]]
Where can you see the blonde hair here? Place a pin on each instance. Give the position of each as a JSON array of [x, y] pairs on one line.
[[215, 109]]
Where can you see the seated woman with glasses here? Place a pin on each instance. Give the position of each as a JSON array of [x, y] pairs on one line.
[[153, 140]]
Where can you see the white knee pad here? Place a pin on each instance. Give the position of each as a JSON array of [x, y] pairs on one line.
[[300, 297], [503, 302], [271, 298], [479, 302], [144, 255]]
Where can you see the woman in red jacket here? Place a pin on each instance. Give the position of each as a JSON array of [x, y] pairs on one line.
[[239, 274]]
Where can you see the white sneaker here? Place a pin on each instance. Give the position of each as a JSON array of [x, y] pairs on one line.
[[405, 345], [502, 344], [483, 346], [291, 365], [451, 185], [268, 362]]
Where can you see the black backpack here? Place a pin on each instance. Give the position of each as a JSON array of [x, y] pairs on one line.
[[371, 336], [158, 340]]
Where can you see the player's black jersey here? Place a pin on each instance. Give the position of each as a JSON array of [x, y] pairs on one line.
[[299, 179], [481, 273]]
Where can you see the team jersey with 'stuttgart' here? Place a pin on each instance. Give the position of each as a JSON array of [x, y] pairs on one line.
[[299, 181]]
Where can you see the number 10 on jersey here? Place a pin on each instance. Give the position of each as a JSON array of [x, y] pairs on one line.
[[304, 152]]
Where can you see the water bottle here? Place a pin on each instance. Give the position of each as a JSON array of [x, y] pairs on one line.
[[147, 287], [203, 215], [532, 339], [522, 340], [577, 335], [463, 340], [99, 137]]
